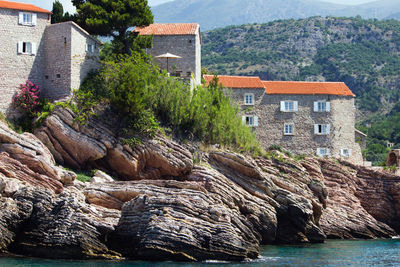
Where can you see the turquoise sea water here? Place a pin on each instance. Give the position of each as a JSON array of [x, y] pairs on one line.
[[332, 253]]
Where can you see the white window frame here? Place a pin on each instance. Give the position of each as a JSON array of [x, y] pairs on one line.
[[322, 129], [288, 129], [249, 96], [289, 106], [27, 18], [250, 120], [345, 152], [322, 106], [23, 48], [323, 152]]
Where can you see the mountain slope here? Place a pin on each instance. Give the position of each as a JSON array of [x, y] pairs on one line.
[[363, 53], [218, 13], [213, 14]]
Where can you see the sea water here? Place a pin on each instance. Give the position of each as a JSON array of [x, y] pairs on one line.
[[331, 253]]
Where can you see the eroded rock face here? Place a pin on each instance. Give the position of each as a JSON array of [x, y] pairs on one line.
[[168, 209], [36, 222], [94, 144]]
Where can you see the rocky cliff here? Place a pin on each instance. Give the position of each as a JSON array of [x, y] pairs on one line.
[[164, 207]]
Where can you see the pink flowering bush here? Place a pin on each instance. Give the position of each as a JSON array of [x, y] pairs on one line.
[[28, 97]]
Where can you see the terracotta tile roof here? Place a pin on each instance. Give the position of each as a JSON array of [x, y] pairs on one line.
[[236, 81], [307, 88], [168, 29], [21, 6]]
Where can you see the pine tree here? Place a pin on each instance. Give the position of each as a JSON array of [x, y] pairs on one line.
[[114, 18]]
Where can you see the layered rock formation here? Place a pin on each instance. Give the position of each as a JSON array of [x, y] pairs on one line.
[[165, 208]]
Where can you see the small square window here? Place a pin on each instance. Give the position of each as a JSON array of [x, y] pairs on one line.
[[288, 129], [46, 77], [250, 120], [289, 106], [346, 152], [190, 41], [249, 99], [321, 106], [323, 151], [189, 73], [58, 75], [26, 48], [322, 129], [27, 18]]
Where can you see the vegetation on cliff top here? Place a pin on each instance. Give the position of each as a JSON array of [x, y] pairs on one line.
[[145, 97]]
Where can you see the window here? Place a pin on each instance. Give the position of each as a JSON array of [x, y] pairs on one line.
[[323, 151], [189, 74], [26, 48], [289, 106], [250, 120], [288, 129], [346, 152], [58, 75], [90, 48], [26, 18], [249, 99], [322, 129], [322, 106], [46, 77]]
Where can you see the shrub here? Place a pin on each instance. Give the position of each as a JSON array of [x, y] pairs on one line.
[[28, 97]]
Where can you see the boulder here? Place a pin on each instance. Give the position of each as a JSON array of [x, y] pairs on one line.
[[101, 177]]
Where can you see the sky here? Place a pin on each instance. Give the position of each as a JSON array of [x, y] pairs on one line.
[[67, 4], [48, 4]]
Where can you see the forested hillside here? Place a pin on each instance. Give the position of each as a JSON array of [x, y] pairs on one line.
[[365, 54], [212, 14]]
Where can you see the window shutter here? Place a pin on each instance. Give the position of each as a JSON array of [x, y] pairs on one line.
[[255, 121], [341, 152], [20, 18], [318, 151], [328, 152], [87, 48], [350, 152], [20, 46], [315, 106], [282, 105], [34, 19], [244, 120], [244, 99], [315, 128], [328, 129], [296, 105], [33, 48], [328, 106]]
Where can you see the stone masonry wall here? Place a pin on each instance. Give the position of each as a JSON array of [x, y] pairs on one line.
[[67, 60], [58, 60], [303, 141], [82, 61], [186, 46], [17, 68]]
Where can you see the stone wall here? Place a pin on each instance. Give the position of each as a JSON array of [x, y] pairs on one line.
[[271, 120], [68, 60], [58, 60], [186, 46], [17, 68]]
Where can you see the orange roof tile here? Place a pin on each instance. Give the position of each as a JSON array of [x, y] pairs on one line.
[[307, 88], [168, 29], [22, 6], [236, 81]]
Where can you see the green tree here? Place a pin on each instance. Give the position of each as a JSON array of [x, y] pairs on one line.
[[114, 18], [58, 12]]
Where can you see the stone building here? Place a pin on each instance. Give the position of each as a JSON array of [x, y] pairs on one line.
[[180, 39], [56, 57], [302, 117]]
